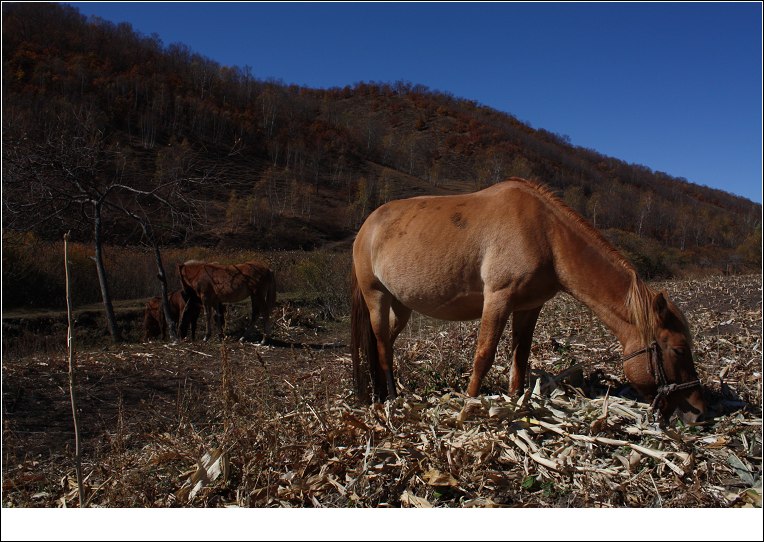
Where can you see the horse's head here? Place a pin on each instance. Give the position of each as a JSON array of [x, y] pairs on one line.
[[664, 371]]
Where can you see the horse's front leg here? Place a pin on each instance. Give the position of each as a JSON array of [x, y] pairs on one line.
[[523, 324], [183, 317], [220, 319], [193, 319], [259, 308], [207, 320], [496, 311]]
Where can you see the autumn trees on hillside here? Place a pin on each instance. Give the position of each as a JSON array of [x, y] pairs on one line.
[[271, 153]]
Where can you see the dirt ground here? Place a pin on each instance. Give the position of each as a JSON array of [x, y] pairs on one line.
[[238, 424]]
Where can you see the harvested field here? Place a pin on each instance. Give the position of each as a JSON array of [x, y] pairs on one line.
[[237, 424]]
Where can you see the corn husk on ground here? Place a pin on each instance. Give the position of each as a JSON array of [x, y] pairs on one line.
[[236, 424]]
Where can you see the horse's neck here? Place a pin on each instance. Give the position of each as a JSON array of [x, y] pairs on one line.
[[599, 281]]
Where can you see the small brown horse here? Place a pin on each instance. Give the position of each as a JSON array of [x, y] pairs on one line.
[[503, 251], [155, 323], [214, 284]]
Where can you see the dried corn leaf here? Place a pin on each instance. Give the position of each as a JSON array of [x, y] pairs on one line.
[[436, 478], [740, 468], [471, 406], [411, 500], [481, 502], [209, 468], [301, 441]]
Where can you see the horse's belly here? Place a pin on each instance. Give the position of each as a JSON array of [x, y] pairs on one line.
[[463, 307], [441, 305], [440, 286]]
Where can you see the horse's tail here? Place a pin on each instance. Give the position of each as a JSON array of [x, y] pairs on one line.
[[363, 343], [185, 286]]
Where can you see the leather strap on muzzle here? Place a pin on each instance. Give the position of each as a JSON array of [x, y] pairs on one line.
[[659, 374]]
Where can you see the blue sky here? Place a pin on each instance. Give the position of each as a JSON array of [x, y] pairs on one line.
[[676, 87]]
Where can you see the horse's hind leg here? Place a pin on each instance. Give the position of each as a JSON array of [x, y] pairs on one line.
[[255, 313], [207, 319], [523, 324], [496, 312], [379, 314], [260, 308], [183, 323], [399, 317]]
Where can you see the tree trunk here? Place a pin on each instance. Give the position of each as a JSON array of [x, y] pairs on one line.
[[111, 320], [172, 325], [148, 231]]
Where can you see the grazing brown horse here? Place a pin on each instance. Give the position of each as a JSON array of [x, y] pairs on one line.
[[214, 284], [500, 252], [155, 323]]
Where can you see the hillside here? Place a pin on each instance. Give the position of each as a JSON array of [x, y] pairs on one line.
[[95, 112]]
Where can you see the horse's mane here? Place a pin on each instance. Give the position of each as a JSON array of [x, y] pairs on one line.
[[583, 225], [640, 296]]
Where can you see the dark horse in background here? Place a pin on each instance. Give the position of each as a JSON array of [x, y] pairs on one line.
[[214, 284], [503, 252], [155, 323]]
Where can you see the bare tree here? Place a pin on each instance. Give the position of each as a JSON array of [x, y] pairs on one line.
[[174, 202], [645, 207], [72, 174]]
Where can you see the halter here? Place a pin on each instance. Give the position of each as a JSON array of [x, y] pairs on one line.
[[659, 374]]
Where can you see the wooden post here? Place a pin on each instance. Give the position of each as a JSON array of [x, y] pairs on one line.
[[70, 349]]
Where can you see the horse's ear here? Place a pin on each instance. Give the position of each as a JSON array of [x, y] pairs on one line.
[[661, 308]]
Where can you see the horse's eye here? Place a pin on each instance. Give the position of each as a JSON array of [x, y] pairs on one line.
[[678, 351]]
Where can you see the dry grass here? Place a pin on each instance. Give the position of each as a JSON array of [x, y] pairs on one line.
[[236, 424]]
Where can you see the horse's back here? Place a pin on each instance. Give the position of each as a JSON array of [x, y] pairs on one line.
[[217, 283], [458, 218], [438, 254], [257, 271]]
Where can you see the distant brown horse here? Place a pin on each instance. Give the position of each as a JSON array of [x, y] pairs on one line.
[[503, 251], [214, 284], [155, 323]]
